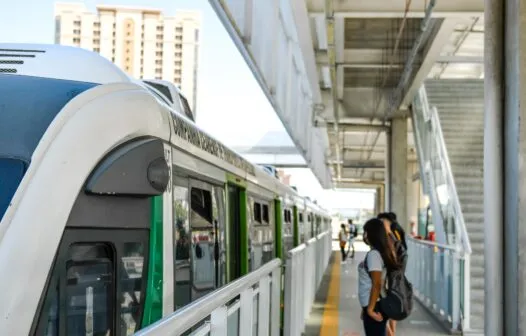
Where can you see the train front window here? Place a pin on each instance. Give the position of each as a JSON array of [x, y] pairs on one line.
[[11, 173], [89, 290], [96, 287], [131, 286]]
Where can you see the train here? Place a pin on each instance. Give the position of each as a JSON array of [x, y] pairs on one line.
[[116, 208]]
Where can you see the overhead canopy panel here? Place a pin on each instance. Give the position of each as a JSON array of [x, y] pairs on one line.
[[283, 62]]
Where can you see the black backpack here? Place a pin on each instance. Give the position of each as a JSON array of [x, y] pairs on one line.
[[397, 304]]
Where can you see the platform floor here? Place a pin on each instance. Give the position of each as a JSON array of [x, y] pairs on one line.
[[336, 311]]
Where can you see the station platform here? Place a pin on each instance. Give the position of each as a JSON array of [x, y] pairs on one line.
[[336, 310]]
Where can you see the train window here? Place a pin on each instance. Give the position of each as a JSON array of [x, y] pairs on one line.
[[87, 278], [202, 251], [265, 214], [52, 326], [130, 285], [201, 204], [182, 246], [257, 212], [89, 296]]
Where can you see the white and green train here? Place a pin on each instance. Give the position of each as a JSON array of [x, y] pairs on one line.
[[116, 209]]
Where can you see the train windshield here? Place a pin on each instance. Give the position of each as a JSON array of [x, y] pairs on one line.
[[28, 106]]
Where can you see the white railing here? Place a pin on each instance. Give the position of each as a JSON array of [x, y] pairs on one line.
[[304, 269], [435, 271], [441, 273], [249, 305]]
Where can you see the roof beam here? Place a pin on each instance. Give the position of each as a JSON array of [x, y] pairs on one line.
[[432, 53], [391, 8], [356, 164], [354, 127], [371, 58]]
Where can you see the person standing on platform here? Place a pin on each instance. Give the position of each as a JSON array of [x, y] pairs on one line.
[[397, 235], [343, 241], [372, 272], [353, 232]]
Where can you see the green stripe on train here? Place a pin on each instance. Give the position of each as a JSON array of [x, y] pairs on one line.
[[153, 306]]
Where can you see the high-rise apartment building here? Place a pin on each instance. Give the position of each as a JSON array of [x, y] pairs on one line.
[[141, 41]]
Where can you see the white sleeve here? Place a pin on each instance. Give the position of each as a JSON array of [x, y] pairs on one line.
[[375, 261]]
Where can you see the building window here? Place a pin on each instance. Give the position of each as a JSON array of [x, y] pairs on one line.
[[158, 45], [178, 54], [178, 63], [178, 45], [179, 38], [76, 31], [196, 35], [76, 40], [179, 29], [158, 62], [76, 23], [159, 28], [96, 41]]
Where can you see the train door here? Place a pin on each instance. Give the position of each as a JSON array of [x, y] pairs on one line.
[[206, 237], [97, 285], [199, 239], [237, 231]]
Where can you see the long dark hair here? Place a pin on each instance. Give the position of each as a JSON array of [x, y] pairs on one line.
[[377, 238]]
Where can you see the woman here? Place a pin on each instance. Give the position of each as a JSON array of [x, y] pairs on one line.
[[342, 236], [371, 276]]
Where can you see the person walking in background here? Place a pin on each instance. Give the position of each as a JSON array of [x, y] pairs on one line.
[[353, 232], [343, 240]]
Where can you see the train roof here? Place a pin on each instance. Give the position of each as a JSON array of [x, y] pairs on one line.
[[76, 64], [59, 62]]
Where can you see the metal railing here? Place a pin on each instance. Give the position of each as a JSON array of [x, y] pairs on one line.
[[230, 310], [304, 270], [435, 272], [251, 305], [435, 161], [440, 273]]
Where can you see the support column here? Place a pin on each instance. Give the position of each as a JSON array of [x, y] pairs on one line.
[[398, 171], [379, 200], [504, 165], [494, 113]]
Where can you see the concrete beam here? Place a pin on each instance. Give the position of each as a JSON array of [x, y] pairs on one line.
[[372, 58], [359, 164], [430, 57], [354, 127], [390, 8]]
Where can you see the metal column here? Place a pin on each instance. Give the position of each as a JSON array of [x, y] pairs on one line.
[[493, 168]]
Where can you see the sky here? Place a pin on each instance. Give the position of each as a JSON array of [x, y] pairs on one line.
[[228, 96]]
